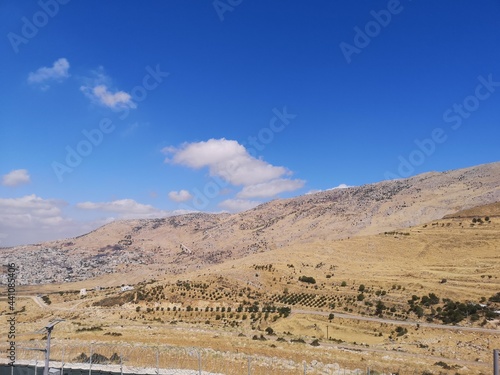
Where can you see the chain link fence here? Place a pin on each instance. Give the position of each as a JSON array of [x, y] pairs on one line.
[[118, 359]]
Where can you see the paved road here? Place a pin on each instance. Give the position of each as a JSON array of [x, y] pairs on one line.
[[398, 322], [37, 300], [41, 303]]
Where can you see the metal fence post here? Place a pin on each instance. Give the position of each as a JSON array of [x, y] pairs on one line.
[[121, 362], [305, 367], [199, 362], [249, 370], [62, 361], [496, 370], [157, 361], [90, 360]]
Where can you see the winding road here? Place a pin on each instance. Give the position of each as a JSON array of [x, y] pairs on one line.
[[398, 322]]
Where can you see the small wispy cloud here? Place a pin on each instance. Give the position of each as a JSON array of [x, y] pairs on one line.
[[130, 129], [180, 196], [126, 208], [98, 90], [270, 188], [238, 205], [102, 95], [16, 177], [57, 72], [341, 186]]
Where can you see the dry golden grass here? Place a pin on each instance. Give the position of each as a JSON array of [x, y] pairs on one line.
[[405, 262], [490, 210]]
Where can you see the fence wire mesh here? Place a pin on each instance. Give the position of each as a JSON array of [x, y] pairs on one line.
[[73, 358]]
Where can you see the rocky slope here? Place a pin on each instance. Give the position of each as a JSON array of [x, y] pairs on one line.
[[194, 241]]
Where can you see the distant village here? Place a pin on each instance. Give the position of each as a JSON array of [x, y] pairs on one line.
[[53, 265]]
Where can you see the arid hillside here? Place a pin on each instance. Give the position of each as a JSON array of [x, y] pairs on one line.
[[488, 210], [407, 300], [175, 245]]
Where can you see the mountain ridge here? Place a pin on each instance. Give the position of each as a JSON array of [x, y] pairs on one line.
[[177, 244]]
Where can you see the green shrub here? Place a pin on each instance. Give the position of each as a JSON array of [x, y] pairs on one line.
[[307, 279], [47, 300], [401, 331], [284, 311], [315, 342], [431, 299], [443, 365], [260, 338], [495, 298]]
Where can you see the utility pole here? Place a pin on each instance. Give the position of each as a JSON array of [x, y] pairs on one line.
[[49, 329]]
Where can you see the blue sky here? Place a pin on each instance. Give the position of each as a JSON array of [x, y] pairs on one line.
[[125, 109]]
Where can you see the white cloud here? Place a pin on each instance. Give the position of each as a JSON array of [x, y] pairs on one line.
[[270, 188], [341, 186], [57, 72], [98, 89], [226, 159], [16, 177], [230, 161], [180, 196], [30, 209], [126, 208], [32, 219], [313, 191], [238, 205], [100, 94]]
